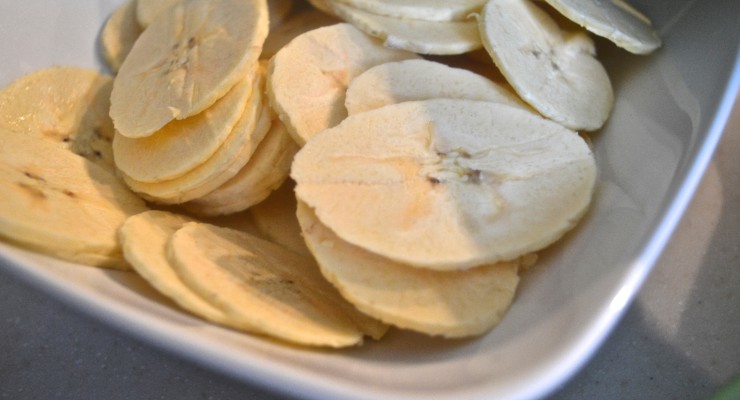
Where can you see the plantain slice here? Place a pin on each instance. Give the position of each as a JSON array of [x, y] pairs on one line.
[[181, 146], [613, 19], [452, 304], [65, 105], [119, 34], [265, 171], [265, 288], [61, 204], [308, 77], [400, 81], [228, 160], [418, 36], [144, 240], [447, 184], [188, 58], [555, 71], [426, 10]]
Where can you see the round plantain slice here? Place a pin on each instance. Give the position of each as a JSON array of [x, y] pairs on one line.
[[452, 304], [400, 81], [181, 146], [556, 72], [418, 36], [427, 10], [308, 77], [613, 19], [144, 239], [65, 105], [265, 171], [263, 287], [447, 184], [60, 203], [228, 160], [275, 219], [148, 10], [119, 34], [188, 58]]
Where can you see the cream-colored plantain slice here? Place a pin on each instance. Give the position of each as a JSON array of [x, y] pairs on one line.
[[144, 241], [400, 81], [266, 170], [613, 19], [228, 160], [452, 304], [181, 146], [308, 77], [293, 26], [556, 72], [65, 105], [263, 287], [148, 10], [426, 10], [418, 36], [186, 60], [447, 184], [275, 219], [61, 204], [119, 34]]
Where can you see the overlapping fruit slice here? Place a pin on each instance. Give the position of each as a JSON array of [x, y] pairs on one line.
[[187, 59], [60, 203], [266, 289], [417, 35], [444, 303], [553, 70], [613, 19], [308, 77], [447, 184], [65, 105], [265, 171], [119, 34], [426, 10], [401, 81]]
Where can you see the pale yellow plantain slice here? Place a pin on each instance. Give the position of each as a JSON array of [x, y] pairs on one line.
[[144, 241], [613, 19], [553, 70], [228, 160], [308, 77], [58, 203], [266, 170], [65, 105], [419, 36], [451, 304], [181, 146], [119, 34], [186, 60], [265, 288], [400, 81], [447, 184], [275, 218], [426, 10]]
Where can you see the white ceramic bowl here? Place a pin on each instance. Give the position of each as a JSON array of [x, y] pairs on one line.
[[670, 109]]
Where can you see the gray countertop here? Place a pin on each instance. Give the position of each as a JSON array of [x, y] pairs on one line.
[[679, 340]]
